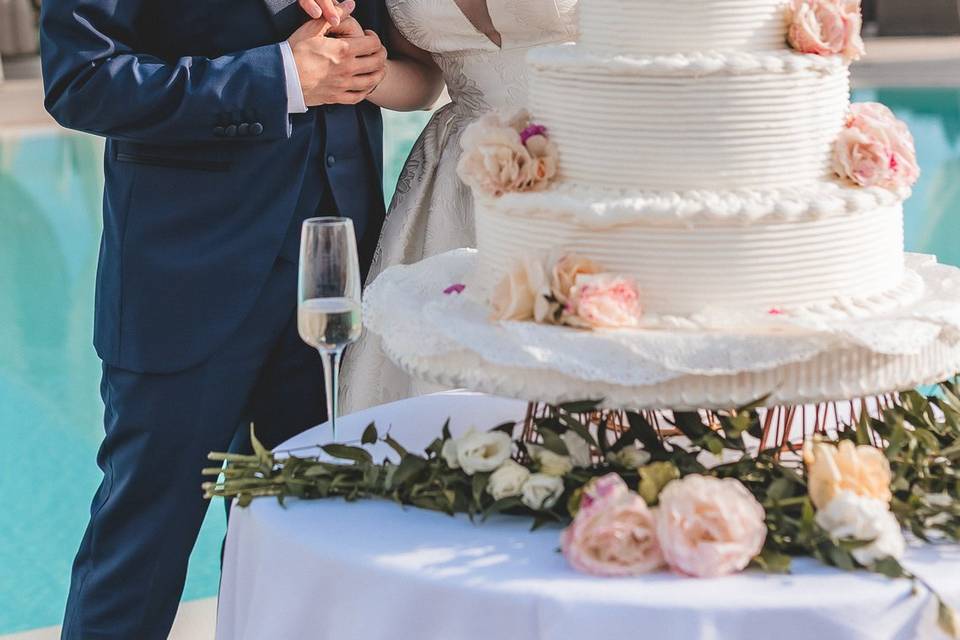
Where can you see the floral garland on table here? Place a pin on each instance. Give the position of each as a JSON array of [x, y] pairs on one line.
[[635, 502]]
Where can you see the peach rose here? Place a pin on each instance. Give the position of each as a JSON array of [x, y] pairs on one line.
[[613, 533], [709, 527], [875, 149], [826, 27], [603, 301], [862, 470], [504, 154], [520, 293], [566, 269]]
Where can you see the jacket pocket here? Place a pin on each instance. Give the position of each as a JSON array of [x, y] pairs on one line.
[[191, 158]]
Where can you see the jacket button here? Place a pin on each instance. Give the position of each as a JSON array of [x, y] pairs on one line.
[[231, 131], [331, 160], [244, 129], [256, 128], [218, 131]]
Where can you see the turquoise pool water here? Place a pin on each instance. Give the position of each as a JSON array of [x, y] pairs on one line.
[[50, 186]]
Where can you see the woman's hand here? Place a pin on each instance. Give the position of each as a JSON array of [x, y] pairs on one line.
[[330, 10]]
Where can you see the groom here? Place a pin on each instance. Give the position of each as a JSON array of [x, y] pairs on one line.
[[228, 122]]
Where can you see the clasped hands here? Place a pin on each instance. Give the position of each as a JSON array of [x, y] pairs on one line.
[[338, 62]]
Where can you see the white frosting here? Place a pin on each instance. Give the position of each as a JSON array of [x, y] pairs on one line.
[[451, 340], [684, 269], [598, 207], [744, 121], [666, 26]]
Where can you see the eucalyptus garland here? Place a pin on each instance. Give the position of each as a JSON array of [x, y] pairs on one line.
[[920, 437]]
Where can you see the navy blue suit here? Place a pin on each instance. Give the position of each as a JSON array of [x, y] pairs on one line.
[[207, 182]]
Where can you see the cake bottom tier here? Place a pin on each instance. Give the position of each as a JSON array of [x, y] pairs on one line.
[[683, 270]]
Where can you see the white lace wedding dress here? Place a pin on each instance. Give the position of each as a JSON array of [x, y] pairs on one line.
[[432, 211]]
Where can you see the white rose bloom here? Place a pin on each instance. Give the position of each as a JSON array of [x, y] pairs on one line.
[[579, 450], [630, 457], [449, 453], [850, 516], [541, 491], [508, 480], [482, 451], [550, 463]]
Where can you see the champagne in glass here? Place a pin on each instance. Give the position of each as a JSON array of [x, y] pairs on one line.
[[328, 310]]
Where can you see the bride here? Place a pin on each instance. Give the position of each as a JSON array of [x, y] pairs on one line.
[[480, 48]]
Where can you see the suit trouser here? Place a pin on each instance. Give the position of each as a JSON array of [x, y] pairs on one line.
[[129, 573]]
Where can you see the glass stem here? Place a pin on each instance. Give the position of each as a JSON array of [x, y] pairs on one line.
[[331, 377]]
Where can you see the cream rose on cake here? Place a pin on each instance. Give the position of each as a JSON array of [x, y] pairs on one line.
[[614, 532], [875, 149], [507, 154], [826, 27], [708, 526]]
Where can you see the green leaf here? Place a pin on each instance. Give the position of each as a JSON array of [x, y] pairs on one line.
[[345, 452], [580, 406], [507, 428], [779, 489], [840, 558], [410, 466], [690, 424], [577, 427], [773, 561], [258, 449], [501, 505], [947, 619], [370, 435], [889, 567], [654, 477], [553, 442], [643, 431], [478, 484], [445, 432], [396, 446]]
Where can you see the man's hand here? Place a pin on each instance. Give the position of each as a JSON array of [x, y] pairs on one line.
[[328, 10], [337, 70]]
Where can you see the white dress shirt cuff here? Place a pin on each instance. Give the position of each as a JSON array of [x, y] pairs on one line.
[[295, 101]]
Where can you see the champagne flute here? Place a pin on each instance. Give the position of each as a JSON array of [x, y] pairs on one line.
[[328, 305]]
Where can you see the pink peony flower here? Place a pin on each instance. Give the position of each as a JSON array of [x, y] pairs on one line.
[[613, 534], [709, 527], [603, 301], [826, 27], [875, 149]]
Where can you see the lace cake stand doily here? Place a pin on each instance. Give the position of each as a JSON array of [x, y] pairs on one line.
[[712, 362]]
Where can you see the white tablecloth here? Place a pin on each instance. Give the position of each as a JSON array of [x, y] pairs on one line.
[[374, 570]]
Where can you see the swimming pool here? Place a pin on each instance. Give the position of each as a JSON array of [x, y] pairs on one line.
[[50, 188]]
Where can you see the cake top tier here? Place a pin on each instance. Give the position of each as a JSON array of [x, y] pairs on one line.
[[645, 27]]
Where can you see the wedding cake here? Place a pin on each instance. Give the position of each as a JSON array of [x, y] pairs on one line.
[[697, 152], [690, 213]]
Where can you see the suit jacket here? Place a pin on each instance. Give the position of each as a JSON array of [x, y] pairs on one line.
[[204, 172]]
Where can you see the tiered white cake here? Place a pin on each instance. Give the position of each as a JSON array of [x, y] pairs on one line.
[[692, 215], [695, 156]]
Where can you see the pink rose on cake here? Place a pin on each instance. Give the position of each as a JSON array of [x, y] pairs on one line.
[[603, 301], [613, 533], [708, 526], [826, 27], [503, 155], [875, 149]]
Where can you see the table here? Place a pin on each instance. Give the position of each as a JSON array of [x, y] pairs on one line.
[[375, 570]]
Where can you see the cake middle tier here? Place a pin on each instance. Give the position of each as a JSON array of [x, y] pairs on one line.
[[685, 269], [687, 122]]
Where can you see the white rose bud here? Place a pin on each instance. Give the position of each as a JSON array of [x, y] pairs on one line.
[[508, 480], [482, 452], [449, 453], [629, 457], [541, 491], [579, 450], [851, 516], [550, 463]]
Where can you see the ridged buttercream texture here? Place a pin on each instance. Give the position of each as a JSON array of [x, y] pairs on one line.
[[668, 26], [725, 130], [682, 270]]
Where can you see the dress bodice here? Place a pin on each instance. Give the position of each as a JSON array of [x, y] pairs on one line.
[[480, 74]]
